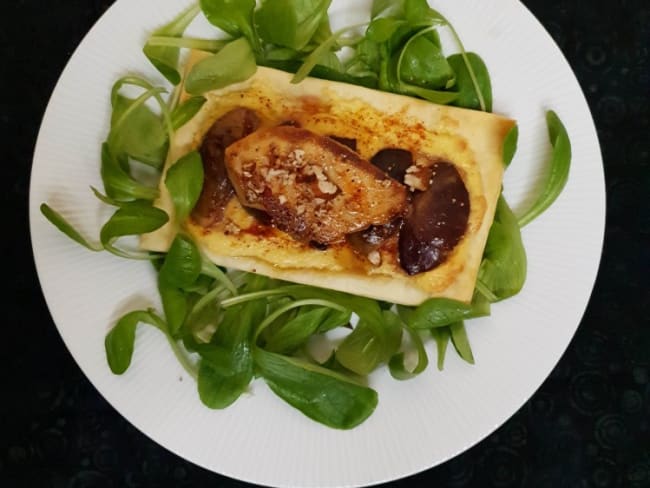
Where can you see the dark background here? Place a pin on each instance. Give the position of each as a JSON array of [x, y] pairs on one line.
[[587, 426]]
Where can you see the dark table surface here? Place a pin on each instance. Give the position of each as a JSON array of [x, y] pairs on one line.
[[588, 425]]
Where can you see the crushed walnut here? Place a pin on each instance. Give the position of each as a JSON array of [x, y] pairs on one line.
[[296, 158], [375, 258], [230, 228], [417, 177], [327, 187]]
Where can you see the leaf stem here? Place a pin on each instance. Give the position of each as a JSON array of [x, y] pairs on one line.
[[290, 306], [180, 354], [400, 59], [211, 45], [213, 271], [182, 358], [164, 108], [248, 297], [316, 55], [139, 256], [485, 291], [133, 107], [64, 226], [558, 175], [470, 69], [463, 54], [205, 300], [188, 16]]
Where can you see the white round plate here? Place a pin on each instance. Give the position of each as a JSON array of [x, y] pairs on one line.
[[418, 424]]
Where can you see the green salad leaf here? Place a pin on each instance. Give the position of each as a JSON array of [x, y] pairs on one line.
[[510, 145], [290, 23], [224, 374], [397, 365], [433, 96], [184, 180], [438, 312], [422, 62], [296, 331], [321, 394], [387, 8], [319, 55], [144, 137], [118, 182], [324, 72], [442, 336], [366, 308], [227, 362], [335, 318], [184, 112], [182, 264], [208, 45], [235, 17], [120, 341], [559, 169], [468, 96], [460, 341], [419, 11], [64, 226], [234, 63], [175, 304], [136, 131], [504, 266], [226, 366], [370, 343], [165, 58], [133, 220], [388, 29]]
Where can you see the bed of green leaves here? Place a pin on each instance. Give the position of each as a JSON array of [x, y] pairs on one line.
[[229, 327]]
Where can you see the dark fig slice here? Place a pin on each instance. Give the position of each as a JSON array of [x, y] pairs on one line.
[[217, 189], [373, 237], [437, 221], [394, 162]]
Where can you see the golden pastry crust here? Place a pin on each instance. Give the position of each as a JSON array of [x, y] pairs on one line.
[[471, 140]]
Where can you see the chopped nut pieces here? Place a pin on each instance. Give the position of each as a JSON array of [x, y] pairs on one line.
[[417, 178]]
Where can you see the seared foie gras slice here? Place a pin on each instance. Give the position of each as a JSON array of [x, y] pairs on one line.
[[313, 187]]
